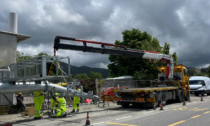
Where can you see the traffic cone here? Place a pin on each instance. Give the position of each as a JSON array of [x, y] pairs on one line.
[[161, 106], [201, 98], [184, 102], [88, 121]]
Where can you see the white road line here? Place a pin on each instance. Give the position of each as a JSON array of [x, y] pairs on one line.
[[148, 112], [124, 117], [98, 123]]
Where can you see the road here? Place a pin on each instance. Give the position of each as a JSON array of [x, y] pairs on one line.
[[194, 113]]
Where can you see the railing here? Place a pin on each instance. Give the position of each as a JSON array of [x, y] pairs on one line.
[[34, 69]]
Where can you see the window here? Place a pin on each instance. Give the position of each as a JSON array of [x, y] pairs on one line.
[[196, 82], [185, 72]]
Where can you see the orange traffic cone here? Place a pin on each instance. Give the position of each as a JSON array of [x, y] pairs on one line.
[[201, 98], [88, 121], [184, 102], [161, 106]]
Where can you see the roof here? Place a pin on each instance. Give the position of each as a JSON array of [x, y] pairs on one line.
[[20, 37], [198, 77]]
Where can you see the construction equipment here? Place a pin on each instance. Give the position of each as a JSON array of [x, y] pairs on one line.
[[31, 75], [172, 83]]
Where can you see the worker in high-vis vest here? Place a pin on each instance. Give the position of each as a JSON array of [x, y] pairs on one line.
[[76, 102], [38, 100], [54, 104], [62, 105]]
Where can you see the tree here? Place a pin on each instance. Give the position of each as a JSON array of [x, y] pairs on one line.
[[124, 65], [208, 72], [21, 56], [94, 75], [82, 76], [191, 72]]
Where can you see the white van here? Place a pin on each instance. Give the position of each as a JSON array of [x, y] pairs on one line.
[[199, 85]]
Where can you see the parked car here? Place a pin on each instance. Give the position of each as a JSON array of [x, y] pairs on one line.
[[199, 85]]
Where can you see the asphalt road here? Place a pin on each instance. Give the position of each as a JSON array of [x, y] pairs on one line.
[[194, 113]]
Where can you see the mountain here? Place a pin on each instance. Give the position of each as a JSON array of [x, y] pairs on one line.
[[84, 69]]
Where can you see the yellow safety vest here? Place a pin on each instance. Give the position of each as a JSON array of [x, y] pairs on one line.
[[77, 98], [37, 93], [62, 103]]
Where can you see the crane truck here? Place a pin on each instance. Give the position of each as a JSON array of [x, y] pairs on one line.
[[172, 82]]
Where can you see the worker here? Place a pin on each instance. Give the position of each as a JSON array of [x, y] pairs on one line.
[[20, 103], [76, 101], [38, 100], [62, 104], [54, 104]]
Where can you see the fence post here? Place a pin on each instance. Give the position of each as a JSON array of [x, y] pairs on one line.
[[96, 86]]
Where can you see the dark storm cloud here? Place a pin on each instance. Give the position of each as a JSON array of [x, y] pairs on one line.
[[183, 24]]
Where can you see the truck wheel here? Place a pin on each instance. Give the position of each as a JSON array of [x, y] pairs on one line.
[[125, 105], [180, 96], [187, 97], [196, 94], [156, 102]]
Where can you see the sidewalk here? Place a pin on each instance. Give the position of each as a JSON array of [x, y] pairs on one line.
[[93, 109]]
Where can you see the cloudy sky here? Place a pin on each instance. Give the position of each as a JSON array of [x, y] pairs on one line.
[[185, 24]]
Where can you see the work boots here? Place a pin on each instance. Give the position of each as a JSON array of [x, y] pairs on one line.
[[73, 111], [35, 118], [77, 110]]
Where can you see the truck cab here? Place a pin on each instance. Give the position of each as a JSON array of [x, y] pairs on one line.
[[180, 73]]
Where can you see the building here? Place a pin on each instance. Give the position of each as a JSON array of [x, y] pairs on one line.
[[8, 49]]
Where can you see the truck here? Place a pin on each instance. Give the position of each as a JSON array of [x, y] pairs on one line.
[[172, 82]]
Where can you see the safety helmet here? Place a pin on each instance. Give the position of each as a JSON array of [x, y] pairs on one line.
[[20, 93], [57, 94]]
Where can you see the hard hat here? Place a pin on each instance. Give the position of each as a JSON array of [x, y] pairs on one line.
[[77, 85], [20, 93], [57, 94]]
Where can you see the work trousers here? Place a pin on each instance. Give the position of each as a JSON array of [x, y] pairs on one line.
[[76, 103], [38, 105], [61, 111], [20, 105]]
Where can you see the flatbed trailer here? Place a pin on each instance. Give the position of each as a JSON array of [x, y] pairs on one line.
[[151, 96]]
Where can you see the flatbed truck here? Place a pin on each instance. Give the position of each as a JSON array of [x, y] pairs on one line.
[[172, 82]]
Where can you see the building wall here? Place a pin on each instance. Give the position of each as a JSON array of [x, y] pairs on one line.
[[8, 45], [197, 70], [7, 49], [4, 101]]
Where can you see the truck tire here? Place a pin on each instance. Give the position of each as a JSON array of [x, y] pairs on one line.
[[187, 97], [196, 94], [125, 105], [179, 98], [156, 102]]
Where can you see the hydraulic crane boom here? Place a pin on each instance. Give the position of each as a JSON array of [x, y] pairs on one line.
[[116, 50]]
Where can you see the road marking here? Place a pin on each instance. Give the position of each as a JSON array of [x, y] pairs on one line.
[[206, 112], [174, 124], [124, 117], [120, 124], [98, 123], [148, 112], [195, 116]]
